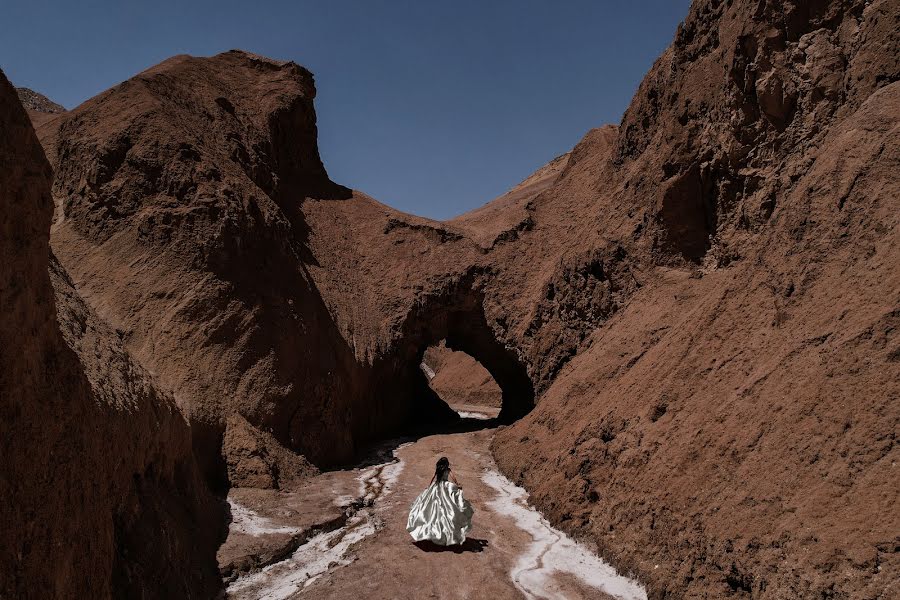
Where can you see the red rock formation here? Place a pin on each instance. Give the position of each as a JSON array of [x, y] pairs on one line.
[[101, 495], [726, 425], [255, 459], [196, 217]]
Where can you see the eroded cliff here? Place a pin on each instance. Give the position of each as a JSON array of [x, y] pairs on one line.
[[730, 428], [101, 494], [195, 215]]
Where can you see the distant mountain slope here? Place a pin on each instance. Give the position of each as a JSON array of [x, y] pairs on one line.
[[508, 213], [32, 100], [40, 108]]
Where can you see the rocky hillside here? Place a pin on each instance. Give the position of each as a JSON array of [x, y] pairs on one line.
[[195, 215], [703, 300], [727, 424], [102, 497], [36, 102], [504, 217], [40, 108]]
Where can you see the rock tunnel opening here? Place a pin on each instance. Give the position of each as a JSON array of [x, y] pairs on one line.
[[457, 323], [462, 382]]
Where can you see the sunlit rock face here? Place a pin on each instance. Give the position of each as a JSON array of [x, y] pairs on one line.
[[725, 428]]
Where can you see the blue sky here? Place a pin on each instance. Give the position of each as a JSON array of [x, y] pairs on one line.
[[432, 107]]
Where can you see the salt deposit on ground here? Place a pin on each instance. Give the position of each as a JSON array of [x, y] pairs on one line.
[[247, 521], [467, 414], [552, 551], [284, 579], [376, 481], [322, 552]]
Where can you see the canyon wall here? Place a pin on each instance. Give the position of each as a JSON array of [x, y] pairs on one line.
[[101, 494], [727, 422]]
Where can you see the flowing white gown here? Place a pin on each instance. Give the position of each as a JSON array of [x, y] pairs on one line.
[[440, 514]]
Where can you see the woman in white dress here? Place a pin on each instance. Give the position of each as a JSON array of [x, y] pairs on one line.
[[441, 514]]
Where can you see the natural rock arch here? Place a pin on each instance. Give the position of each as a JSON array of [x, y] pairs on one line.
[[458, 318]]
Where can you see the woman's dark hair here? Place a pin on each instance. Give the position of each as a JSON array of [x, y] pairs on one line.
[[443, 465]]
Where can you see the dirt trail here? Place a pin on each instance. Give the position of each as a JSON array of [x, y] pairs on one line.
[[511, 552]]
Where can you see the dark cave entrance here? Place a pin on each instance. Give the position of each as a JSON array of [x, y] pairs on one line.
[[458, 324]]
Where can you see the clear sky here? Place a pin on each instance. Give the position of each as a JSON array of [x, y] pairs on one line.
[[432, 107]]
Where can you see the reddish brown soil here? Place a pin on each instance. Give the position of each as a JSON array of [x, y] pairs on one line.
[[390, 565], [101, 495], [460, 380]]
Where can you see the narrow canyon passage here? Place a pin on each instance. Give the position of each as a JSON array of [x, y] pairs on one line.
[[343, 535]]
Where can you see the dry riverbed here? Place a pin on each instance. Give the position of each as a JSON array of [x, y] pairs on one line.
[[343, 535]]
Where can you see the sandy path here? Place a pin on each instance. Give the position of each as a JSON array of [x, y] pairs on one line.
[[512, 552]]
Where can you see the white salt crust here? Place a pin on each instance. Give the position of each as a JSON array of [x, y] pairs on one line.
[[552, 551], [247, 521], [466, 414], [320, 553]]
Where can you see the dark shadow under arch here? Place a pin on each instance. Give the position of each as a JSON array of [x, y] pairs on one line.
[[459, 319]]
